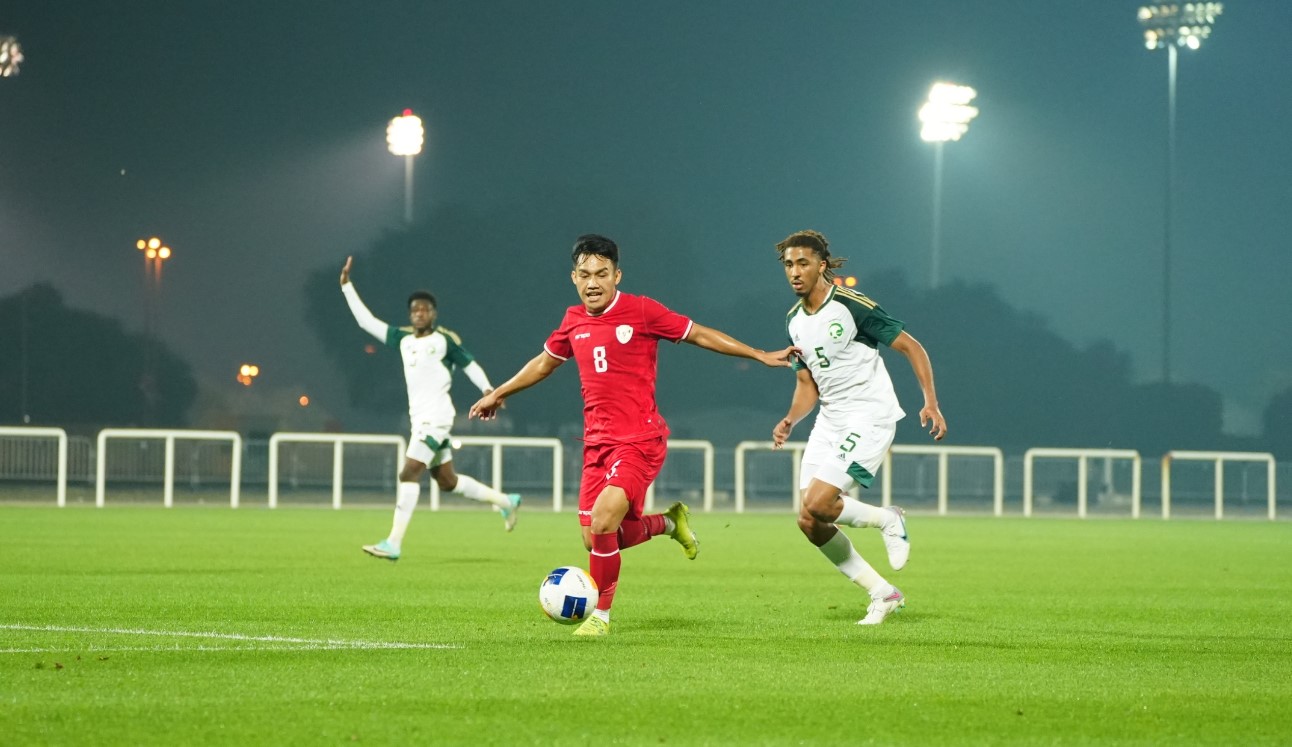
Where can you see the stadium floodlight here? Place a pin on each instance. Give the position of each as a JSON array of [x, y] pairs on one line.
[[404, 137], [10, 56], [945, 116], [1170, 26]]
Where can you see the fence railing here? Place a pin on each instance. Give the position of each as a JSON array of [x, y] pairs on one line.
[[1218, 458], [32, 456], [169, 437]]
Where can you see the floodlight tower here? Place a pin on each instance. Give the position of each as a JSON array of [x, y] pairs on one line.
[[1170, 26], [404, 137], [945, 116]]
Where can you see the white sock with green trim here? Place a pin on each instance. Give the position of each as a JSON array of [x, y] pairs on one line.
[[469, 487], [839, 550], [405, 504], [858, 514]]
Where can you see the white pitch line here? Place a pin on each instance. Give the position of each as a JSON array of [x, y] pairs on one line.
[[315, 642]]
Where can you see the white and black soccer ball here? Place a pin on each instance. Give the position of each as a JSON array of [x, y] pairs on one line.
[[568, 595]]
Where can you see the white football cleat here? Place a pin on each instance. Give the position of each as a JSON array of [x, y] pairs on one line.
[[895, 539], [883, 607]]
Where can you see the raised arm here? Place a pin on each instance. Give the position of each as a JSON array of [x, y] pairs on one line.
[[923, 367], [720, 342], [367, 322], [539, 367], [805, 398]]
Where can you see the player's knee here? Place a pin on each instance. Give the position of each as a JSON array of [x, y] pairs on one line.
[[410, 474], [806, 523], [446, 482], [819, 508]]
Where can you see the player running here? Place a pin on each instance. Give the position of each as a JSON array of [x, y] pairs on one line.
[[839, 332], [430, 354], [614, 337]]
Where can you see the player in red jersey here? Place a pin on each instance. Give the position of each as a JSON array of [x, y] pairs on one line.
[[614, 337]]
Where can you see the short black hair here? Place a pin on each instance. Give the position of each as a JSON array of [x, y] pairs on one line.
[[591, 244], [422, 295]]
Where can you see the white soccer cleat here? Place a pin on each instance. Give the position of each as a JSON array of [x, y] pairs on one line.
[[895, 540], [883, 607]]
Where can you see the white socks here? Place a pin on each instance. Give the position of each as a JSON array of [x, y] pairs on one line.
[[405, 503], [469, 487], [839, 550], [858, 514]]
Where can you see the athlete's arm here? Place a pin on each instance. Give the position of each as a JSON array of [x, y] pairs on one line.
[[367, 322], [478, 377], [538, 368], [720, 342], [923, 367], [805, 397]]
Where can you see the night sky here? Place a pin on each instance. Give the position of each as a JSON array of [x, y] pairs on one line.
[[251, 136]]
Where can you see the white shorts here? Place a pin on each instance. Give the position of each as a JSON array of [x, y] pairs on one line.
[[844, 453], [429, 444]]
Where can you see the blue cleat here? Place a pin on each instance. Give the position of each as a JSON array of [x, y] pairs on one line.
[[382, 549]]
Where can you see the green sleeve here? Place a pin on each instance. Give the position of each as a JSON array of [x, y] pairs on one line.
[[395, 334], [878, 326], [456, 354]]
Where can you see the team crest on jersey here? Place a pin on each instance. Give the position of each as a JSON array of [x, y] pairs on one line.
[[624, 333], [836, 330]]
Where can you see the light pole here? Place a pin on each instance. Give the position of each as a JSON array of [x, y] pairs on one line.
[[404, 137], [1169, 27], [155, 253], [945, 116]]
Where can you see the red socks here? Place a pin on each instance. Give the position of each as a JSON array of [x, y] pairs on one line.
[[633, 532], [603, 566]]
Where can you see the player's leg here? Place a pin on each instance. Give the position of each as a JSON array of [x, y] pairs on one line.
[[466, 486], [675, 522], [406, 498], [824, 478], [622, 472], [858, 449], [839, 550]]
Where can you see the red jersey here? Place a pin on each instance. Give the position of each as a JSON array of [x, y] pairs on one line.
[[616, 352]]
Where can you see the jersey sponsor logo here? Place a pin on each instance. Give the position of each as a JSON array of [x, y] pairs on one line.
[[624, 333], [836, 330], [583, 335]]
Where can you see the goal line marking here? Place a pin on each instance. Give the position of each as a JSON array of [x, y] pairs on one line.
[[295, 643]]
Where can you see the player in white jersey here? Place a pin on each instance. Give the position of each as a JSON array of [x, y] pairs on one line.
[[430, 353], [839, 332]]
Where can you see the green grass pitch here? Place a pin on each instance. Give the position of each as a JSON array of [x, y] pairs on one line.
[[1017, 631]]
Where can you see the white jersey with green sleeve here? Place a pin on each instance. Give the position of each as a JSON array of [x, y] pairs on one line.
[[428, 362], [840, 344]]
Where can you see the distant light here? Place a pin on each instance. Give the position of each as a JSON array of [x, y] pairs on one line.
[[10, 56], [404, 134], [946, 115], [369, 348], [151, 253], [1184, 25], [304, 401], [154, 243], [141, 244], [247, 373], [164, 252], [850, 281]]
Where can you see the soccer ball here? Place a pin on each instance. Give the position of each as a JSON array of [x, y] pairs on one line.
[[567, 595]]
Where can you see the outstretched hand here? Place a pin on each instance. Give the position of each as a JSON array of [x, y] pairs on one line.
[[345, 271], [486, 408], [779, 358]]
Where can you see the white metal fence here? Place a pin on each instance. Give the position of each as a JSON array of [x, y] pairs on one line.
[[752, 476]]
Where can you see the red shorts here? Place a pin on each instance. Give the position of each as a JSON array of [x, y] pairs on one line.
[[630, 467]]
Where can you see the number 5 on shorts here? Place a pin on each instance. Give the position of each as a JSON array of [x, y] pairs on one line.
[[850, 442]]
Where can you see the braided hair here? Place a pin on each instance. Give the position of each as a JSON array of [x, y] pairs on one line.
[[817, 242]]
